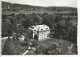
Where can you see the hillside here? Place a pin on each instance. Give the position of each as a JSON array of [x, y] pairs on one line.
[[14, 7]]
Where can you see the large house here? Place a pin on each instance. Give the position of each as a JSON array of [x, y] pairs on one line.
[[42, 31]]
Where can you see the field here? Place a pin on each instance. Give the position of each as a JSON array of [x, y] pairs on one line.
[[14, 47], [64, 46], [37, 12]]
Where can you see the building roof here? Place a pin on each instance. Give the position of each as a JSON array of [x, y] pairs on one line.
[[39, 28]]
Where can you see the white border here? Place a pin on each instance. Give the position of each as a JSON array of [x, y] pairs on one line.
[[0, 27], [78, 38]]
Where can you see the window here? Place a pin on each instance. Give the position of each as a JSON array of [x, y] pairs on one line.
[[46, 28], [34, 30], [32, 27]]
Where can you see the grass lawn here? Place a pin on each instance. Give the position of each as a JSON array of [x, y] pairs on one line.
[[64, 43], [14, 47], [19, 49]]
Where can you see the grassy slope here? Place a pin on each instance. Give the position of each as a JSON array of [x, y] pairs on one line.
[[64, 44]]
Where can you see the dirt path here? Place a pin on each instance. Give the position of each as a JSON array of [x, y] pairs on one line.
[[28, 52], [25, 52]]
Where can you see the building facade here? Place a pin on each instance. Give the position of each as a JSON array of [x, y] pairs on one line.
[[42, 31]]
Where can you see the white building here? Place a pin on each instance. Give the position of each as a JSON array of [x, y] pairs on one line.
[[42, 31]]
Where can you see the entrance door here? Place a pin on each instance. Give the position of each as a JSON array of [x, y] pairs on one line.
[[36, 37]]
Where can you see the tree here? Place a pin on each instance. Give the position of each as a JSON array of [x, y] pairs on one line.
[[6, 29]]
